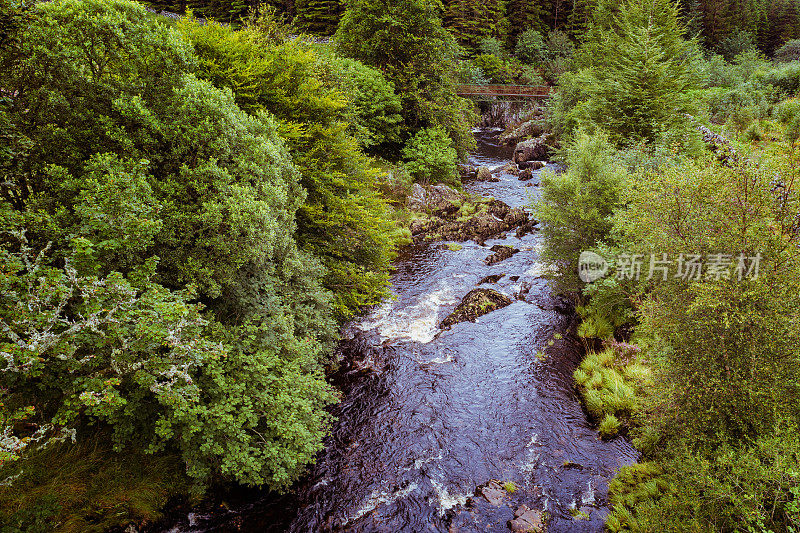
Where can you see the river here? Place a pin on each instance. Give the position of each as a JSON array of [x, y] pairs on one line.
[[429, 415]]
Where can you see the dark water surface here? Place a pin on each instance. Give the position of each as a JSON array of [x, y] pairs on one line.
[[428, 415]]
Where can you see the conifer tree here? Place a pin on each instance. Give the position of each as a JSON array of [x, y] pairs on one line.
[[320, 17], [474, 20]]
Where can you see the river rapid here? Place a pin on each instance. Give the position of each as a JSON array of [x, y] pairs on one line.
[[429, 415]]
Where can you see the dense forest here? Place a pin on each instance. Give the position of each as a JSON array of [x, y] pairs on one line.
[[191, 207]]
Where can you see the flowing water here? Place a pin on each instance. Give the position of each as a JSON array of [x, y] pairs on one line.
[[429, 415]]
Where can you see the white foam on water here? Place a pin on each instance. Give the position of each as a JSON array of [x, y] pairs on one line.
[[589, 497], [418, 322], [446, 500], [381, 498]]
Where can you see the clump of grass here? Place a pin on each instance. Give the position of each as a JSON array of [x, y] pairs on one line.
[[578, 514], [86, 487], [609, 426], [453, 246], [510, 487], [610, 388]]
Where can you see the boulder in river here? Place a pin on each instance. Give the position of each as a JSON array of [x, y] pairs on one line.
[[476, 303], [525, 175], [529, 128], [484, 174], [494, 278], [508, 168], [535, 149], [493, 492], [467, 172], [501, 253], [532, 165], [524, 229]]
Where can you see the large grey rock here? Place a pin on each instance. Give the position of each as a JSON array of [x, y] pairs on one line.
[[535, 149]]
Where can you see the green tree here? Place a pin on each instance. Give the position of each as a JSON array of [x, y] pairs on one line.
[[471, 21], [343, 219], [135, 191], [636, 71], [407, 42], [318, 16]]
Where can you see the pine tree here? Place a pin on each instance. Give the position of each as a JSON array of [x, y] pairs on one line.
[[320, 17], [474, 20]]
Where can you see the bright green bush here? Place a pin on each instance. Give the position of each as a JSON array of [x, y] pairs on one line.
[[575, 206], [430, 157], [373, 109], [495, 69]]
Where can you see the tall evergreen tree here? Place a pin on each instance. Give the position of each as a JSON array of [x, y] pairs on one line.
[[320, 17], [473, 20]]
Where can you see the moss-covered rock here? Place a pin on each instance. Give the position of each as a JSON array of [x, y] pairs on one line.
[[501, 253], [476, 303]]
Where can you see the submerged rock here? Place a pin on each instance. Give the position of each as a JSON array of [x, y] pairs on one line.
[[526, 519], [467, 172], [476, 303], [501, 253], [494, 278]]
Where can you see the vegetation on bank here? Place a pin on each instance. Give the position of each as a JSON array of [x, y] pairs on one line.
[[189, 209], [187, 213], [701, 370]]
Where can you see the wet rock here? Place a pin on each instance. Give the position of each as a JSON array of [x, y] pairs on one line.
[[525, 175], [467, 172], [438, 200], [529, 128], [515, 217], [535, 149], [514, 278], [476, 303], [494, 278], [508, 168], [484, 174], [493, 492], [532, 165], [501, 253], [527, 520], [524, 229], [424, 226]]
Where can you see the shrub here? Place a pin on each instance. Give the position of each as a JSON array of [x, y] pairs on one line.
[[790, 51], [531, 47], [494, 68], [609, 426], [737, 42], [786, 77], [491, 46], [575, 206], [430, 157]]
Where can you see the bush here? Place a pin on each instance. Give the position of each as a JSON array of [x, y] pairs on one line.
[[430, 157], [789, 52], [494, 68], [786, 77], [575, 207], [141, 191], [531, 47], [373, 108], [737, 42], [491, 46]]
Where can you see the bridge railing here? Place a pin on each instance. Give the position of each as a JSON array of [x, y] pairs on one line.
[[503, 90]]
